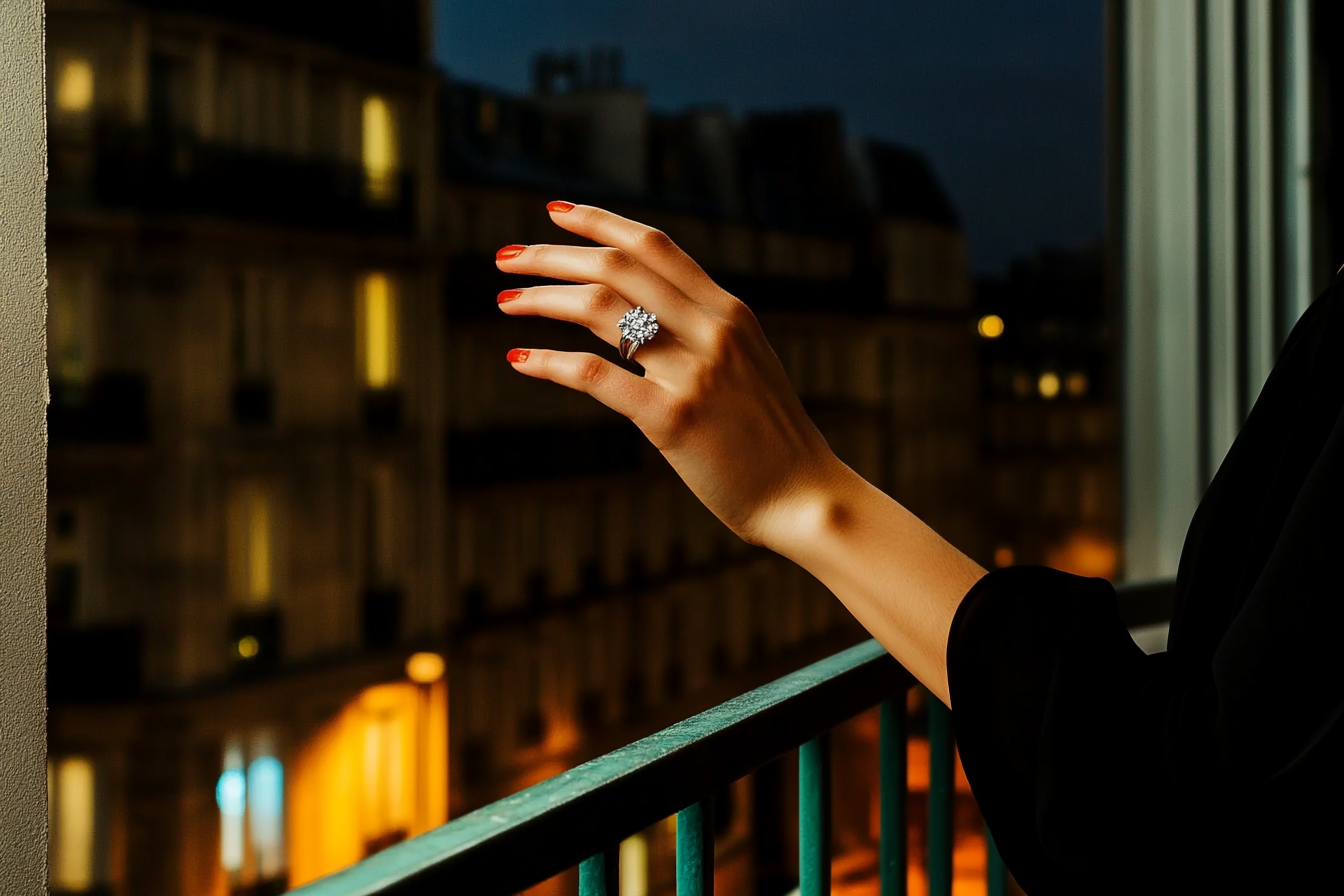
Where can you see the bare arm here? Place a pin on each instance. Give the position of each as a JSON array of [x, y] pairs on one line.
[[716, 402]]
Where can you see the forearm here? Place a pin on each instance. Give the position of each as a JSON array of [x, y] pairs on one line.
[[900, 579]]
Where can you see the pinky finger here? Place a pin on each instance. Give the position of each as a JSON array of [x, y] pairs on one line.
[[617, 388]]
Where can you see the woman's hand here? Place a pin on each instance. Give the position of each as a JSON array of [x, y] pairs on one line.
[[714, 398]]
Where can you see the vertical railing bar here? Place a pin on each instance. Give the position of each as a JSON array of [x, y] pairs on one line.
[[940, 797], [814, 817], [995, 871], [892, 789], [695, 849], [599, 875]]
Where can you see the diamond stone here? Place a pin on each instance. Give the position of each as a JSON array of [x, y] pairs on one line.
[[638, 325]]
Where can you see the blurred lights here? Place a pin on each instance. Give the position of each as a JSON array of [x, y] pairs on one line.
[[1076, 383], [74, 86], [248, 647], [380, 149], [378, 330], [1003, 556], [990, 326], [1048, 384], [71, 794], [634, 865], [424, 668]]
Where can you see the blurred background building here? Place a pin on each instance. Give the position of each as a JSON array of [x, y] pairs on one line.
[[323, 568]]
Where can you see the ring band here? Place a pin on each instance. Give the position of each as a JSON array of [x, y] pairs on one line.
[[637, 327]]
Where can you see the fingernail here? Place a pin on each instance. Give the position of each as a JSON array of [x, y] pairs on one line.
[[559, 206], [518, 355], [509, 252], [509, 295]]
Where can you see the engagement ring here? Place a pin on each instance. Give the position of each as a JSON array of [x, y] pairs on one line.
[[637, 327]]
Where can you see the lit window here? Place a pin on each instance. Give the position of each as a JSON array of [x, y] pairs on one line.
[[250, 795], [377, 330], [424, 668], [380, 150], [250, 534], [1048, 384], [1076, 384], [72, 816], [68, 301], [74, 86], [990, 326], [634, 865]]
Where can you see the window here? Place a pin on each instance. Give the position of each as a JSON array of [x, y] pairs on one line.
[[253, 295], [74, 86], [379, 151], [75, 853], [250, 548], [380, 546], [69, 291], [376, 330], [250, 794], [65, 556]]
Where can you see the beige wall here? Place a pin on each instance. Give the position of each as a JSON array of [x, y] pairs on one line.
[[23, 453]]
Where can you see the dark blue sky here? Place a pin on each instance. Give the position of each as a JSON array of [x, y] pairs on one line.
[[1005, 96]]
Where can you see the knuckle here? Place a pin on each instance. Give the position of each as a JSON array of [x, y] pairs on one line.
[[613, 261], [603, 300], [590, 370], [654, 241]]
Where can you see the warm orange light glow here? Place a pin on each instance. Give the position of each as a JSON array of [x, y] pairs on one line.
[[74, 86], [380, 149], [379, 769], [1076, 383], [424, 668], [1048, 384], [377, 330], [634, 866], [1003, 556], [1085, 554], [990, 326]]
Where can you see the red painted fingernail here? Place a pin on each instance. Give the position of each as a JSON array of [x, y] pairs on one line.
[[509, 252], [518, 355], [559, 206], [509, 295]]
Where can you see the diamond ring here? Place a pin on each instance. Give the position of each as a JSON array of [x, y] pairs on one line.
[[637, 327]]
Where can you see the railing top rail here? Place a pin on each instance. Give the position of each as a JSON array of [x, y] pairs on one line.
[[539, 832]]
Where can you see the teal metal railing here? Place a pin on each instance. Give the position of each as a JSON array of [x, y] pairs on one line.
[[581, 816]]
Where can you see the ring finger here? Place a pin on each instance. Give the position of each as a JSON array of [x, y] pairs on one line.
[[593, 305]]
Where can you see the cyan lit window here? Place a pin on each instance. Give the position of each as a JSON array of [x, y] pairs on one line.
[[379, 150], [376, 330], [250, 796], [72, 814]]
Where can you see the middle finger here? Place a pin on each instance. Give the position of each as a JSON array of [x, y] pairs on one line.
[[615, 269], [593, 305]]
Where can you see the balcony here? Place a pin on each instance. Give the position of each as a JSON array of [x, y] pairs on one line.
[[579, 817], [117, 167]]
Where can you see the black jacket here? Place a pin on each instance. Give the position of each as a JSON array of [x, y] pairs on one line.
[[1217, 766]]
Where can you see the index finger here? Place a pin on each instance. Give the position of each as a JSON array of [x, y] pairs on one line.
[[647, 245]]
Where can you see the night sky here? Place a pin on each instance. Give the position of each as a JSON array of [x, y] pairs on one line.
[[1004, 96]]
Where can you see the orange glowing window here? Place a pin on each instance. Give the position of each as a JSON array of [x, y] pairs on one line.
[[74, 86], [72, 817]]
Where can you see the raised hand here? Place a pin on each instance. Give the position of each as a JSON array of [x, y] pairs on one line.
[[714, 398], [715, 401]]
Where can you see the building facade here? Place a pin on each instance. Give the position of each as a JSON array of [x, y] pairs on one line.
[[324, 570]]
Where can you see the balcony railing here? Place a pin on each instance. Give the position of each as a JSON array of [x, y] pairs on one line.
[[579, 818]]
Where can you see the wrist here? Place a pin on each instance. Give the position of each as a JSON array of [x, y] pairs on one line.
[[811, 510]]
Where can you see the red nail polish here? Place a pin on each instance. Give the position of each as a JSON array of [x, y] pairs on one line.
[[509, 252], [518, 355], [509, 295], [559, 206]]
